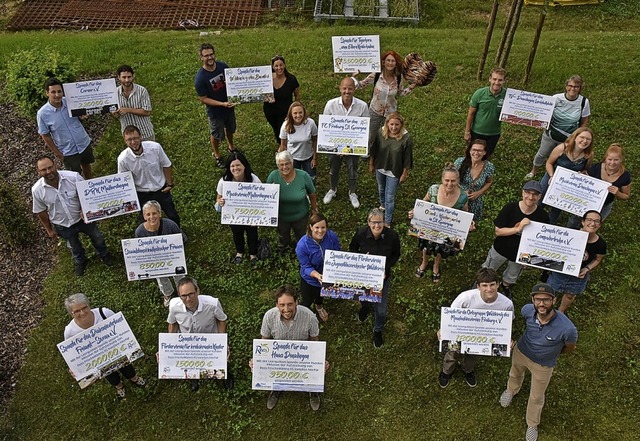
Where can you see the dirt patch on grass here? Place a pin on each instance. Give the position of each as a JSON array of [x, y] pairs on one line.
[[23, 269]]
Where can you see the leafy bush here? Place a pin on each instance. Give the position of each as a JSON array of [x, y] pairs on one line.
[[16, 226], [28, 70]]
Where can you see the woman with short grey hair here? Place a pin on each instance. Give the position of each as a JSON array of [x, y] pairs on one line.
[[77, 305], [297, 195]]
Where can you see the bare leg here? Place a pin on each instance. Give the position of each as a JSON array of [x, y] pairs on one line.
[[567, 300], [215, 144], [425, 260], [229, 140], [86, 171], [436, 263]]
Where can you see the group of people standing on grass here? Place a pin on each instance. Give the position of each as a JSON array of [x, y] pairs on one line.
[[568, 143]]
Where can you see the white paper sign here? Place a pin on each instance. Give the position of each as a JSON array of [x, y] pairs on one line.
[[248, 203], [527, 109], [154, 257], [476, 331], [353, 276], [343, 135], [108, 196], [440, 224], [248, 84], [356, 53], [288, 365], [101, 349], [575, 192], [91, 97], [552, 248], [192, 356]]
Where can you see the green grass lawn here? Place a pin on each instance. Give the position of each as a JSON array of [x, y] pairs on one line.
[[387, 394]]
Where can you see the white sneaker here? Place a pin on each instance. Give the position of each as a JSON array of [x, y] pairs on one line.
[[329, 196], [528, 176], [354, 200]]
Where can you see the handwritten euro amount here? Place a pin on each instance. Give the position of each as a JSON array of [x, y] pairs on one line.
[[250, 212], [94, 103], [288, 375], [341, 140], [573, 199], [109, 204], [193, 364], [475, 339], [104, 358], [428, 233], [356, 60], [350, 284], [523, 114], [155, 265], [549, 254], [254, 91]]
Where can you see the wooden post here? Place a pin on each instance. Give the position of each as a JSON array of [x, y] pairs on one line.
[[507, 26], [536, 40], [512, 31], [487, 39]]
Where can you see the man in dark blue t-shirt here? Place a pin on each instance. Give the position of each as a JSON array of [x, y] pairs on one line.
[[212, 92]]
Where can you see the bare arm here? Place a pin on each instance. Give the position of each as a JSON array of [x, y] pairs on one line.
[[211, 102], [314, 201], [168, 176], [222, 327], [568, 348], [48, 140], [46, 223], [553, 157], [173, 328], [510, 231], [470, 117], [584, 121], [296, 94]]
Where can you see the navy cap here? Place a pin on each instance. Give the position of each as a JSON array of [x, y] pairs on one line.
[[543, 288], [533, 186]]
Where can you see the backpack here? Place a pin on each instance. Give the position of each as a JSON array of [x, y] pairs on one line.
[[264, 249]]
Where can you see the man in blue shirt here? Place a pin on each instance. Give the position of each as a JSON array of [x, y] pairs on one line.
[[548, 334], [63, 134]]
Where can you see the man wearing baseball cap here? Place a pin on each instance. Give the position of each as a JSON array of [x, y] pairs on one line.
[[548, 334], [509, 224]]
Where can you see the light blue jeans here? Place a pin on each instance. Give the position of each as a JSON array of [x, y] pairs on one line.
[[387, 189]]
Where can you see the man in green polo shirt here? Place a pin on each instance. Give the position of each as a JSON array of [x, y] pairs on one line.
[[483, 119]]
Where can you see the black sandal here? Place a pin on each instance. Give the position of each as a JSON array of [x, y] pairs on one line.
[[419, 273]]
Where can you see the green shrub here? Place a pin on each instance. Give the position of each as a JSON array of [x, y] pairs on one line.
[[16, 226], [27, 72]]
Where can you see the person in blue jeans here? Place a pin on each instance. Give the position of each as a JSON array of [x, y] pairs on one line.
[[390, 161], [374, 238], [56, 202]]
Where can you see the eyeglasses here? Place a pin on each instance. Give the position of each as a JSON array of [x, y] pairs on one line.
[[573, 86], [211, 55], [376, 223], [546, 300], [188, 295], [593, 221], [132, 139]]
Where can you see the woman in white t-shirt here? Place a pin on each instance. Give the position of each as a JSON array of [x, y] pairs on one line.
[[299, 136], [77, 305], [238, 169]]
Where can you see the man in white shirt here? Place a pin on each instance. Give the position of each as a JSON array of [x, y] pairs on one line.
[[151, 170], [192, 313], [56, 202], [485, 296], [345, 105]]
